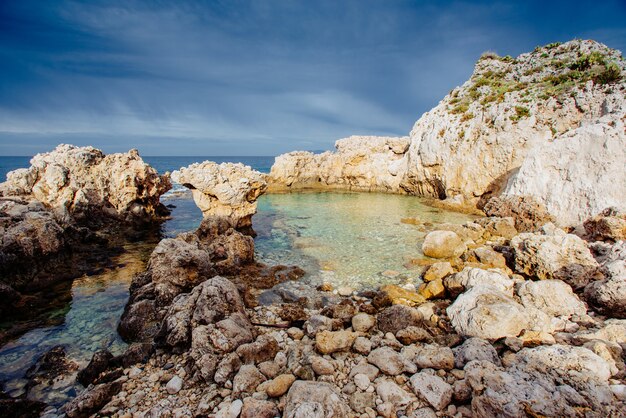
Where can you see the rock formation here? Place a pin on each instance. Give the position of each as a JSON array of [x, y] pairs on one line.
[[547, 125], [78, 181], [224, 190], [361, 163]]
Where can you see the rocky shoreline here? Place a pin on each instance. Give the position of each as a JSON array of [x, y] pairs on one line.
[[518, 313]]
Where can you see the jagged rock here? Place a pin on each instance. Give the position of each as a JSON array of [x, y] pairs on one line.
[[438, 271], [609, 224], [92, 399], [443, 244], [314, 399], [609, 296], [392, 294], [247, 379], [390, 362], [613, 330], [553, 297], [360, 163], [263, 349], [224, 190], [433, 389], [471, 276], [253, 408], [363, 322], [487, 313], [327, 342], [398, 317], [527, 213], [498, 226], [390, 392], [98, 364], [434, 356], [554, 254], [474, 349], [82, 179]]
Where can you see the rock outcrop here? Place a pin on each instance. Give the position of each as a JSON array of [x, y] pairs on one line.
[[77, 182], [361, 163], [224, 190]]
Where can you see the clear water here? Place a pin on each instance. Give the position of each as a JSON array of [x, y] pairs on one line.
[[347, 239], [353, 239]]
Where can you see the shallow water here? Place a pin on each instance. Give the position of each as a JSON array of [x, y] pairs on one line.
[[347, 239], [88, 324]]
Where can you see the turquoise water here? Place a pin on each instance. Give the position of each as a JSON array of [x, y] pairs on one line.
[[347, 239]]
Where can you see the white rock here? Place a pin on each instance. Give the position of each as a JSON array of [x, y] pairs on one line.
[[174, 385], [553, 297], [432, 389], [361, 381]]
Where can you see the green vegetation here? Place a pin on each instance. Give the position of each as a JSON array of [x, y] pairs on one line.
[[610, 74], [461, 134], [467, 116], [585, 62], [553, 45], [460, 108], [520, 113]]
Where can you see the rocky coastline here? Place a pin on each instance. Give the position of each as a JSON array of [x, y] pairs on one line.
[[518, 313]]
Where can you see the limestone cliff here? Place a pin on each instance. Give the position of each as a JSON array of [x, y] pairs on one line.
[[493, 131]]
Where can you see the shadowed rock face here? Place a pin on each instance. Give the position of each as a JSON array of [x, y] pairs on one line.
[[224, 190]]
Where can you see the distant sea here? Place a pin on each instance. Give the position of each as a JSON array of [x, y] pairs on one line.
[[161, 163]]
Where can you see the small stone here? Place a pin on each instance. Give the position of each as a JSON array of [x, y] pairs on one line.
[[363, 322], [235, 408], [174, 385], [438, 271], [390, 362], [295, 333], [412, 335], [361, 381], [433, 389], [279, 385], [433, 289], [254, 408], [269, 368], [362, 345], [344, 291], [327, 342], [321, 366], [361, 401]]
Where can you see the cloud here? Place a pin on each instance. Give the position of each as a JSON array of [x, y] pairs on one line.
[[206, 77]]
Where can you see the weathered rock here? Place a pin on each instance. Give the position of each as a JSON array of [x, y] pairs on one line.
[[393, 295], [92, 399], [443, 244], [390, 362], [279, 385], [438, 271], [554, 254], [498, 226], [253, 408], [321, 366], [263, 349], [609, 296], [314, 399], [226, 190], [472, 276], [75, 180], [174, 385], [390, 392], [361, 401], [432, 389], [398, 317], [433, 356], [527, 213], [474, 349], [247, 379], [99, 363], [432, 290], [360, 163], [327, 342], [363, 322], [609, 225], [578, 174], [553, 297], [487, 313]]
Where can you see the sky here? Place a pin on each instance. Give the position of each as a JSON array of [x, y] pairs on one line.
[[254, 77]]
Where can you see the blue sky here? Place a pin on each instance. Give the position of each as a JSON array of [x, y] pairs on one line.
[[254, 77]]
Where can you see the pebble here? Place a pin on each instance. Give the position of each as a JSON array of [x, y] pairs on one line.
[[361, 381], [174, 385], [279, 385], [235, 408]]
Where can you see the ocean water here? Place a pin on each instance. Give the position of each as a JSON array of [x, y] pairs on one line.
[[354, 239]]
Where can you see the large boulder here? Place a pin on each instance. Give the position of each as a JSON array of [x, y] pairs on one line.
[[79, 180], [527, 213], [488, 313], [553, 297], [554, 254], [443, 244], [224, 190]]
